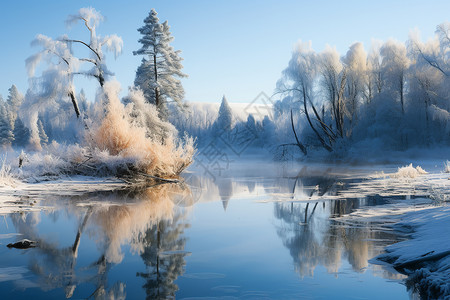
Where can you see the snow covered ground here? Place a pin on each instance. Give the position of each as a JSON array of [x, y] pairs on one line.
[[425, 255]]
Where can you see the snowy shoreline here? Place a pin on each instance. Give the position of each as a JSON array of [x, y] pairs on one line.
[[26, 197], [425, 257]]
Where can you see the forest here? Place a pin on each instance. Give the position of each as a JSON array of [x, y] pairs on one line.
[[392, 97]]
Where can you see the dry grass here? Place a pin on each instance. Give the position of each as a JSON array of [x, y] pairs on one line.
[[118, 135]]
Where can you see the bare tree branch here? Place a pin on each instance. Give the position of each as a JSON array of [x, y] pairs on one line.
[[300, 145], [87, 45]]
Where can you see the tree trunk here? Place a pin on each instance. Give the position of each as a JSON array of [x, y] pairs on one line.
[[311, 124], [300, 145], [156, 81], [402, 94], [75, 104]]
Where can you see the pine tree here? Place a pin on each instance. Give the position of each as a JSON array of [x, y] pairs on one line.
[[159, 71], [15, 97], [21, 134], [224, 121], [14, 100], [6, 133]]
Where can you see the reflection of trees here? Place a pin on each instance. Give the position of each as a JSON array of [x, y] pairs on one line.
[[225, 186], [313, 238], [112, 219], [55, 266], [164, 257]]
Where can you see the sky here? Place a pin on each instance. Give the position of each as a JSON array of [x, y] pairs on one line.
[[236, 48]]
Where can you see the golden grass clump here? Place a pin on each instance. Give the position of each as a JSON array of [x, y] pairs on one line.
[[120, 136]]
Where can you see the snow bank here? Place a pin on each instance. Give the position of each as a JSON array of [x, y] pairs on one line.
[[409, 172], [426, 256]]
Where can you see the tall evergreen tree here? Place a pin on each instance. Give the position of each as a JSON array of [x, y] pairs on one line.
[[224, 120], [14, 100], [6, 133], [21, 134], [160, 69]]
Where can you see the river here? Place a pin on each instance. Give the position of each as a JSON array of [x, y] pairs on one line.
[[263, 231]]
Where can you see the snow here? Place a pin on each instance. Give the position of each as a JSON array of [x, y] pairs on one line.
[[425, 257], [447, 166], [409, 172]]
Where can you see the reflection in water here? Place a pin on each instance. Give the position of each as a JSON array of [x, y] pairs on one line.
[[152, 224], [225, 186], [151, 221], [314, 237], [163, 256]]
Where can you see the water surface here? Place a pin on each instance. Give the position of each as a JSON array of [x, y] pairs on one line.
[[260, 233]]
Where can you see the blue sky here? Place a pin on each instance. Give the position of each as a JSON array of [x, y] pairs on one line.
[[236, 48]]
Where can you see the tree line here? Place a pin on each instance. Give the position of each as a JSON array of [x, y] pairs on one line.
[[393, 97], [397, 94]]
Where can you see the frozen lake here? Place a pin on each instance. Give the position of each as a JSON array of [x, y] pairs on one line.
[[261, 231]]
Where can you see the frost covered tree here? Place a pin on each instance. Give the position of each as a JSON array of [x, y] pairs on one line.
[[356, 64], [224, 121], [395, 64], [15, 97], [160, 70], [97, 44], [434, 52], [374, 83], [14, 100], [429, 83], [113, 140], [145, 115], [56, 83], [21, 133], [359, 98], [334, 78], [299, 79], [6, 133]]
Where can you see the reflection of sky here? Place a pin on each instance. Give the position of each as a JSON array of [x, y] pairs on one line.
[[237, 251]]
